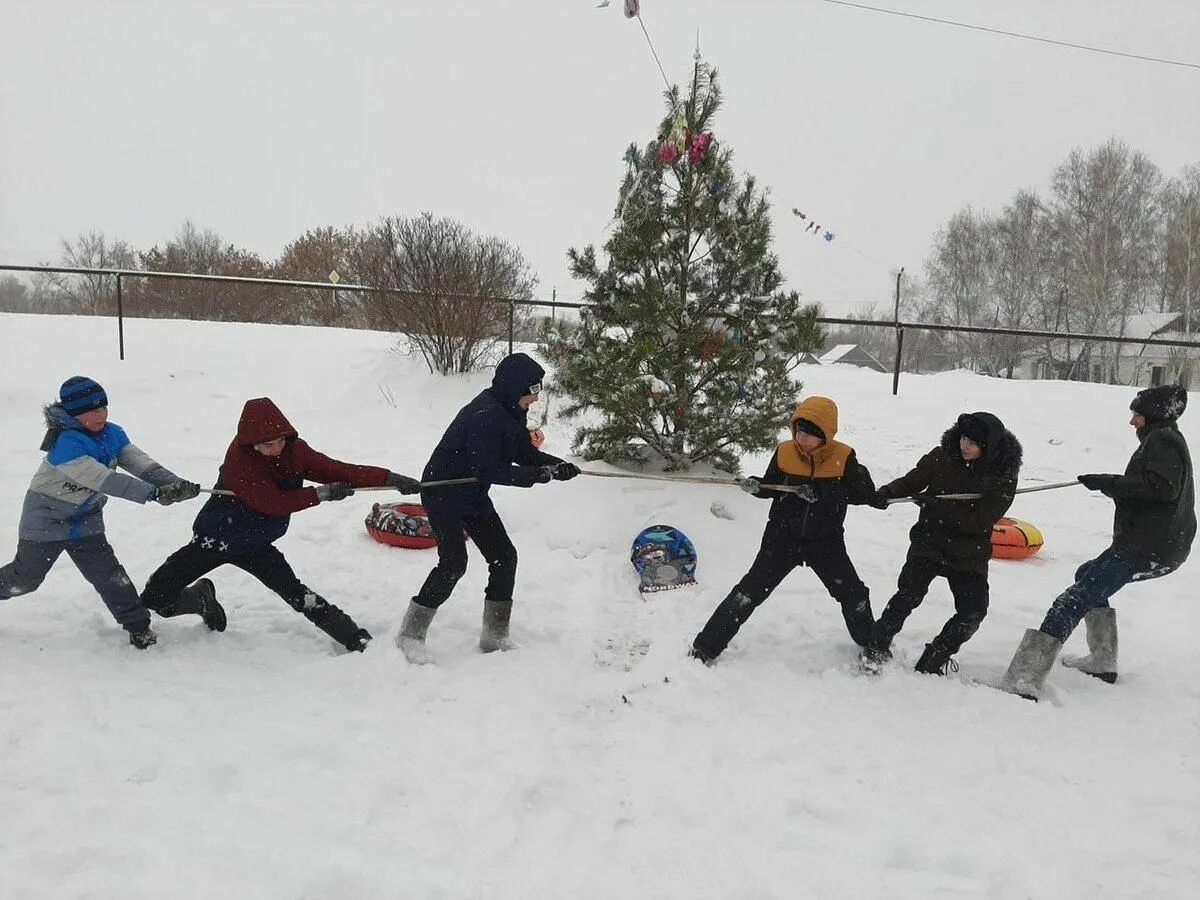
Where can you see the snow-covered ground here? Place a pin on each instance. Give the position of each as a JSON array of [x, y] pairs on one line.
[[594, 761]]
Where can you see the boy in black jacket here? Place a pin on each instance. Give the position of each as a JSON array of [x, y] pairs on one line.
[[952, 538], [487, 440], [803, 529]]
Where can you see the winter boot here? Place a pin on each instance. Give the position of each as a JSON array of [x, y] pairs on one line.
[[876, 652], [494, 635], [1031, 664], [143, 639], [411, 639], [935, 660], [697, 653], [201, 599], [1101, 660], [334, 622]]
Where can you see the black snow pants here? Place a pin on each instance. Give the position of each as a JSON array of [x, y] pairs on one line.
[[485, 528], [970, 591], [96, 561], [267, 564], [776, 558]]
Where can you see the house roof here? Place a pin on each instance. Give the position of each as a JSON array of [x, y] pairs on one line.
[[837, 353], [1145, 325]]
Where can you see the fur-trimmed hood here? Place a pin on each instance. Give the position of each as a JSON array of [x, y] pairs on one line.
[[1002, 454]]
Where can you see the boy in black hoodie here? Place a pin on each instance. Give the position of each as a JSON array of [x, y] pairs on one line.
[[952, 538], [489, 441]]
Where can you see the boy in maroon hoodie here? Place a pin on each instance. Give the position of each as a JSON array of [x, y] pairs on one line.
[[265, 468]]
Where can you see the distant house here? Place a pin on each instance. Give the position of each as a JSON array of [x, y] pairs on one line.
[[809, 360], [1133, 364], [852, 355]]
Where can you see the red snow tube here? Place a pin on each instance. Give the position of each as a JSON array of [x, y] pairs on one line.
[[1014, 539], [401, 525]]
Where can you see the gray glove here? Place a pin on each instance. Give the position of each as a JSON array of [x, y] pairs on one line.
[[337, 490], [751, 485], [176, 491]]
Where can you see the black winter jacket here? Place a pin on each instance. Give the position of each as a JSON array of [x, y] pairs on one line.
[[488, 440], [793, 518], [958, 533], [1156, 502]]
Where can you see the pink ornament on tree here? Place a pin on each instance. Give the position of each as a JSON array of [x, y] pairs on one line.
[[698, 145], [668, 152]]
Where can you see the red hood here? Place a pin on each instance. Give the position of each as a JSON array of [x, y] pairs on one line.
[[262, 421]]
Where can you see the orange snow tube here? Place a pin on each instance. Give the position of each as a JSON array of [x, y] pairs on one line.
[[401, 525], [1014, 539]]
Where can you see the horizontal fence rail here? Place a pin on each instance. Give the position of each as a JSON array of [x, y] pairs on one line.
[[899, 326]]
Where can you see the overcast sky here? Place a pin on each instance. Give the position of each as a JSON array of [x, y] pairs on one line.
[[260, 120]]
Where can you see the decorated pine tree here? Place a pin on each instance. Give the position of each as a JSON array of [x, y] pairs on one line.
[[685, 352]]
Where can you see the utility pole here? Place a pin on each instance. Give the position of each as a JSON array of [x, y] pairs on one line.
[[899, 337]]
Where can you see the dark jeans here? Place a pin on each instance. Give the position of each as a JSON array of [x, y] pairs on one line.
[[970, 590], [775, 560], [487, 531], [1095, 581], [95, 559]]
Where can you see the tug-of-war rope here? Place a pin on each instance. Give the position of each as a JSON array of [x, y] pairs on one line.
[[699, 479]]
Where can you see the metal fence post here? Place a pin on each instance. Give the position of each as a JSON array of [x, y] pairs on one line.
[[899, 353], [511, 306], [120, 320]]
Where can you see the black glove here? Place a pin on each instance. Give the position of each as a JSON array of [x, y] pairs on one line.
[[878, 500], [565, 471], [1102, 483], [751, 485], [176, 491], [403, 483], [337, 490], [545, 474]]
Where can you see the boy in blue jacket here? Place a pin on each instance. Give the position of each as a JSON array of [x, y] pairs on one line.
[[64, 506]]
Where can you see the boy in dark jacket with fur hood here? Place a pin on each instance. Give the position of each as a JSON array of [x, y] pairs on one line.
[[1153, 528], [265, 467], [952, 539], [64, 506], [803, 529]]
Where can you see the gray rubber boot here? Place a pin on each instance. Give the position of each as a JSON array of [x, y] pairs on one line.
[[411, 639], [494, 635], [1101, 660], [1031, 664]]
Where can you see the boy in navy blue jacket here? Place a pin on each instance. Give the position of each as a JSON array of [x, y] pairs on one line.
[[488, 440], [63, 509]]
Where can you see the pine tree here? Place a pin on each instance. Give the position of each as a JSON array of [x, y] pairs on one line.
[[687, 344]]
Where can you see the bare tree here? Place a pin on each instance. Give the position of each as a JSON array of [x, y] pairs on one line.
[[1181, 278], [452, 279], [90, 295], [313, 257], [14, 295], [197, 252]]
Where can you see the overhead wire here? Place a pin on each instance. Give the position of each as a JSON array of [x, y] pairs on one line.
[[1014, 34]]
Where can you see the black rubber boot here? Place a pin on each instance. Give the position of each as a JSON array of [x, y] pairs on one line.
[[201, 599], [334, 623]]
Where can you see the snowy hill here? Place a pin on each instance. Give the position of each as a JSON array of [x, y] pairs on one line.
[[595, 761]]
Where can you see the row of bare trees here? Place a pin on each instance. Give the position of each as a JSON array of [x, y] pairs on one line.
[[1112, 239], [449, 291]]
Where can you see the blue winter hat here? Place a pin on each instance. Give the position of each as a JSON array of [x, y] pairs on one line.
[[79, 395]]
